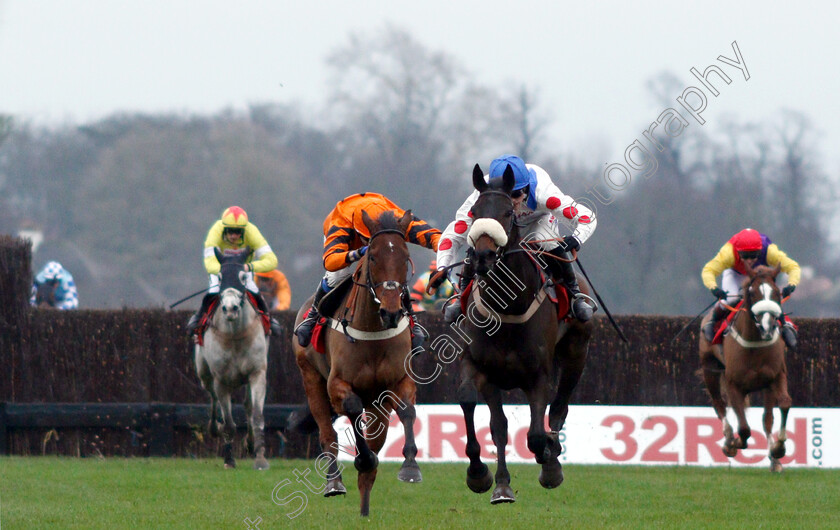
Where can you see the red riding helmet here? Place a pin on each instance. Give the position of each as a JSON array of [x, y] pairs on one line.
[[747, 240]]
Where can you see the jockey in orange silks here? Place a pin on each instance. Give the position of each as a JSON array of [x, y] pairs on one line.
[[345, 242]]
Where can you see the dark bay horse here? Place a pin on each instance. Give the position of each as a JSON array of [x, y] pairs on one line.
[[752, 358], [363, 376], [235, 353], [515, 342]]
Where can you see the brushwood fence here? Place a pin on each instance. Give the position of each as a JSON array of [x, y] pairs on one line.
[[133, 357]]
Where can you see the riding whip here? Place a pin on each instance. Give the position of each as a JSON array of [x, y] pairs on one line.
[[182, 300], [693, 320], [600, 301]]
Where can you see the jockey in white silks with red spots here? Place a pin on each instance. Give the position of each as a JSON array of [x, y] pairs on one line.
[[541, 210]]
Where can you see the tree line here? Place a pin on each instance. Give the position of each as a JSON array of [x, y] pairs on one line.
[[125, 202]]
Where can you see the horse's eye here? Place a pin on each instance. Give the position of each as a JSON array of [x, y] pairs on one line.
[[508, 213]]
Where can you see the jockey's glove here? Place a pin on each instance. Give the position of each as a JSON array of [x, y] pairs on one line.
[[436, 280], [718, 293], [570, 243], [355, 255], [788, 290]]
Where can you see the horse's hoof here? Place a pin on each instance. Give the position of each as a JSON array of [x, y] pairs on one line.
[[366, 465], [729, 450], [775, 466], [502, 494], [335, 487], [410, 473], [230, 465], [261, 464], [778, 450], [551, 475], [481, 480]]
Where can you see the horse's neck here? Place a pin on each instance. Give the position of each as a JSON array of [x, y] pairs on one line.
[[515, 281], [360, 306]]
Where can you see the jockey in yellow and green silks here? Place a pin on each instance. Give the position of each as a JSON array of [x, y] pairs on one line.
[[745, 250], [233, 231]]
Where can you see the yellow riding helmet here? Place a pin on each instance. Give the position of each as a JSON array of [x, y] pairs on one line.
[[234, 217]]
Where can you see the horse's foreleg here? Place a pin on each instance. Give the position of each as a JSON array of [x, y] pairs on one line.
[[479, 479], [738, 402], [256, 421], [228, 428], [779, 392], [376, 433], [499, 431], [406, 392], [206, 379], [347, 402], [319, 406]]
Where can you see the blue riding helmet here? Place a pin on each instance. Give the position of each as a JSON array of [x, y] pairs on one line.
[[520, 171]]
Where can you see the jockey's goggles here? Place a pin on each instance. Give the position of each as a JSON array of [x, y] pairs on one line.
[[515, 194], [235, 231], [750, 254]]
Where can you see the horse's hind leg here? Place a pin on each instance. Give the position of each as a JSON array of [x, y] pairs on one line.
[[256, 421], [406, 392], [479, 479], [499, 431], [712, 371], [229, 430], [206, 378]]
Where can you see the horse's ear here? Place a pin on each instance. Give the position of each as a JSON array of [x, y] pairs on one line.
[[218, 252], [405, 221], [508, 180], [478, 179], [369, 222]]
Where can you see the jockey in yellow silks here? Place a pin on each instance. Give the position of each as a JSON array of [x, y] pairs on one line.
[[542, 208], [745, 250], [345, 242], [233, 231]]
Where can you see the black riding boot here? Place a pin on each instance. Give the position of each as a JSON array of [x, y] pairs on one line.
[[789, 334], [562, 270], [303, 331], [263, 308], [718, 313], [452, 311], [196, 318]]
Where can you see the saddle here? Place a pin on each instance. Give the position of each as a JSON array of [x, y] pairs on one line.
[[204, 323], [327, 307]]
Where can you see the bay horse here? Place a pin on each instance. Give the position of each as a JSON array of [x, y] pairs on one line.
[[752, 358], [519, 343], [234, 353], [362, 373]]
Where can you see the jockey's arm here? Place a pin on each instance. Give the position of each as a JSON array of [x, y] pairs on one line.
[[69, 295], [725, 259], [283, 293], [213, 239], [578, 218], [337, 245], [790, 267], [421, 233], [455, 234], [264, 259]]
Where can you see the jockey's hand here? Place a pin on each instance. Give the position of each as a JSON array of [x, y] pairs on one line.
[[788, 290], [436, 280], [718, 293], [356, 255], [571, 243]]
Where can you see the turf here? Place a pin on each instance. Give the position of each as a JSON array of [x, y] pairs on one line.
[[40, 492]]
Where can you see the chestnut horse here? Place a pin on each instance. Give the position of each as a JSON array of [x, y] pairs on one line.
[[752, 359], [362, 373], [515, 344]]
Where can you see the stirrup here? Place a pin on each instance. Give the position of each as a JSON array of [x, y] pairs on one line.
[[588, 300]]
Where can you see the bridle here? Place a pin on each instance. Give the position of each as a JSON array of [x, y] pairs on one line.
[[387, 285]]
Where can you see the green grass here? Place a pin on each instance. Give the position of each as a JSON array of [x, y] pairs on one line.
[[178, 493]]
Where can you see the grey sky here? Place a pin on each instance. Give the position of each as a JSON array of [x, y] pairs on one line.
[[83, 59]]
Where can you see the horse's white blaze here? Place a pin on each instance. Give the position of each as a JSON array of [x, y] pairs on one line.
[[489, 227], [390, 246]]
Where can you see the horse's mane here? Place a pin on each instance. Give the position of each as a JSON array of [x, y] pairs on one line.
[[387, 220], [764, 270], [496, 184]]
